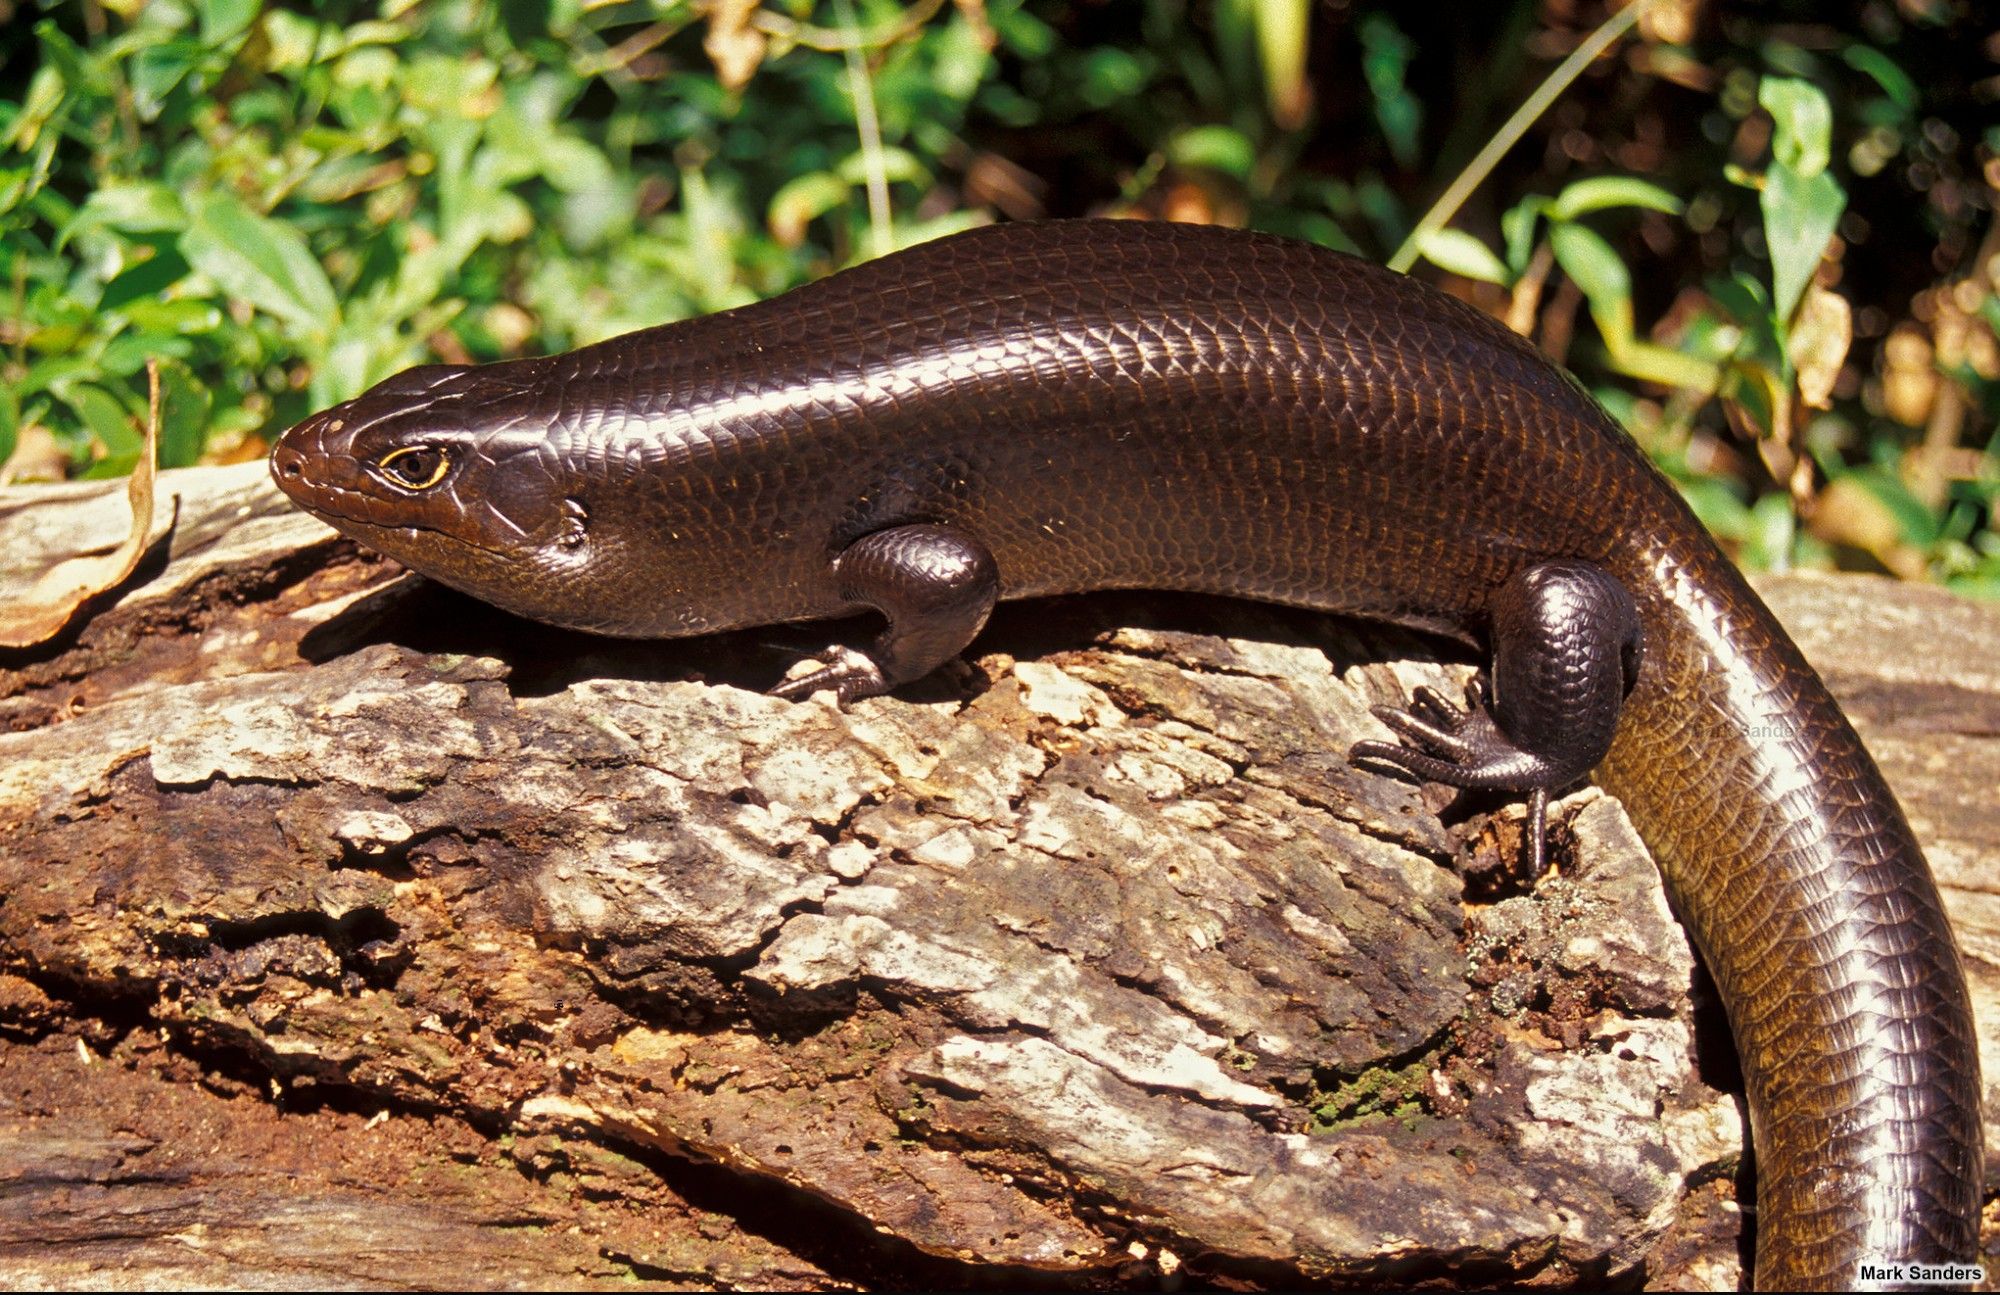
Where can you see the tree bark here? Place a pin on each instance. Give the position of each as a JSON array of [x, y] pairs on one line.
[[326, 893]]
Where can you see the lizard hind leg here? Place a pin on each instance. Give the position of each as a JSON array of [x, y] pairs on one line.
[[935, 585], [1565, 651]]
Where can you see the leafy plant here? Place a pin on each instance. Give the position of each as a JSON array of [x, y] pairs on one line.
[[284, 204], [1769, 347], [284, 208], [1541, 233]]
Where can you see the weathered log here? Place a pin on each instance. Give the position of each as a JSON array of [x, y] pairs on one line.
[[1097, 960]]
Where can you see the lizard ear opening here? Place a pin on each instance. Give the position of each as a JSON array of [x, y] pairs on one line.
[[575, 524], [415, 467]]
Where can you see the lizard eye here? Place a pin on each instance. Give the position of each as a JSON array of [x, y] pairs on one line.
[[419, 467]]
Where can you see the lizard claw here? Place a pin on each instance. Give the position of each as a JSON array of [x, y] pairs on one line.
[[848, 673], [1461, 747]]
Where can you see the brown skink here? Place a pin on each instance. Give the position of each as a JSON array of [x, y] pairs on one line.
[[1053, 408]]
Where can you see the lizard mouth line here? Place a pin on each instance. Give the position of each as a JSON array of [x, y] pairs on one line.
[[332, 502]]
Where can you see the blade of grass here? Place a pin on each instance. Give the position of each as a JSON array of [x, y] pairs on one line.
[[868, 125], [1516, 126]]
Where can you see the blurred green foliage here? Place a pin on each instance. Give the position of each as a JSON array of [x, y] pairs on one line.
[[1777, 222]]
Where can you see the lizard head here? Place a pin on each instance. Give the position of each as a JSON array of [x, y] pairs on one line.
[[445, 469]]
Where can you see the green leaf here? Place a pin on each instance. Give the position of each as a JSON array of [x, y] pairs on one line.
[[1385, 59], [10, 421], [1663, 364], [111, 467], [1715, 503], [1022, 32], [1517, 226], [78, 69], [1463, 255], [44, 97], [223, 20], [1882, 69], [1603, 191], [261, 261], [1755, 387], [1214, 148], [802, 200], [1767, 541], [1313, 227], [1982, 584], [1597, 269], [589, 217], [14, 181], [54, 372], [157, 69], [1800, 214], [345, 373], [371, 66], [1112, 75], [527, 21], [924, 231], [573, 165], [709, 273], [181, 316], [295, 41], [1743, 297], [184, 409], [1380, 207], [142, 207], [897, 164], [106, 418], [443, 86], [1917, 522], [125, 355], [960, 59], [1802, 123], [142, 281]]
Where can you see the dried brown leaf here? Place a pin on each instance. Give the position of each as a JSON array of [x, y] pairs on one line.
[[732, 44], [1821, 335], [53, 600], [38, 456]]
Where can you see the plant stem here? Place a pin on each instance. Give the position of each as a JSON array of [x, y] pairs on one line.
[[1516, 126], [869, 126]]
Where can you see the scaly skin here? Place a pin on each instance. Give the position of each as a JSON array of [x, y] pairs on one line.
[[1107, 405]]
